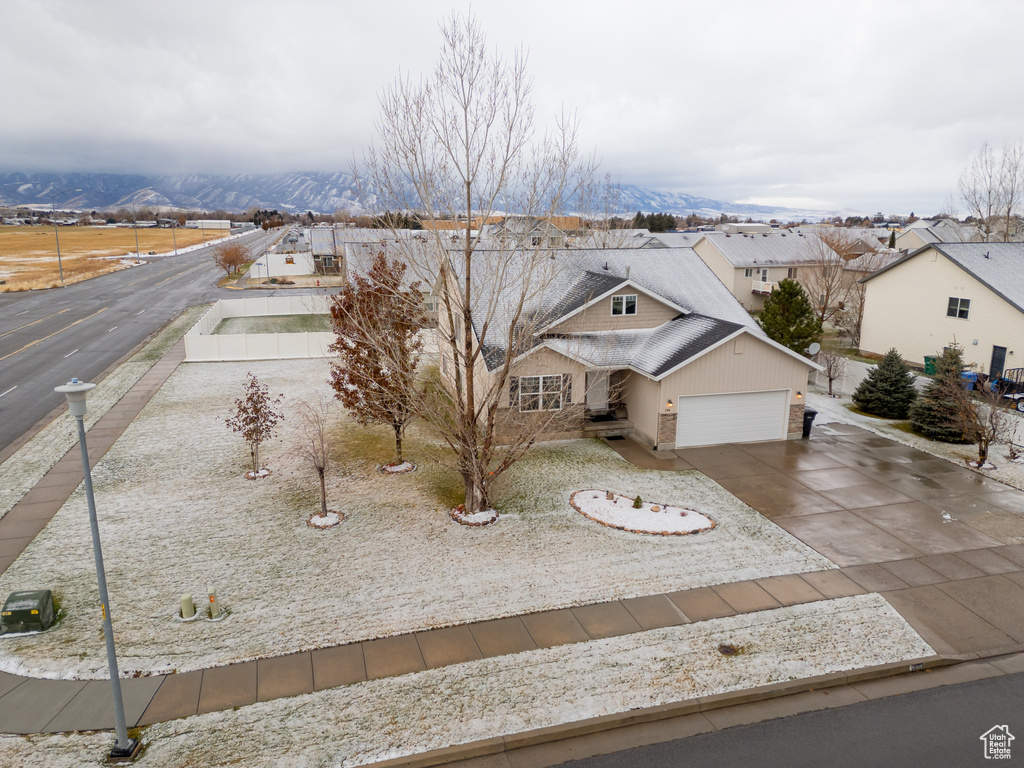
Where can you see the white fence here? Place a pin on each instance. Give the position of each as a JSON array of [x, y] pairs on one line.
[[202, 346]]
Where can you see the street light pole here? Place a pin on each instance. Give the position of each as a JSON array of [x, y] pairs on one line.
[[56, 234], [135, 226], [124, 747]]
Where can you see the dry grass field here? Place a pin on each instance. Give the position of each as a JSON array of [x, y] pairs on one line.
[[28, 255]]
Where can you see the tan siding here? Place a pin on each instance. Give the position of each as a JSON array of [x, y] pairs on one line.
[[650, 313], [713, 257], [905, 308], [641, 398], [545, 361], [759, 367]]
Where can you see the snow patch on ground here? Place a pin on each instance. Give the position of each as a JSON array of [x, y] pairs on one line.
[[391, 717], [177, 516]]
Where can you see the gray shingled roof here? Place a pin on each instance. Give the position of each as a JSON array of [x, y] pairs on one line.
[[773, 248], [1000, 266], [577, 276], [652, 351]]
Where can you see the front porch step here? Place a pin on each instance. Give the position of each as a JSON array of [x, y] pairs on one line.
[[619, 428]]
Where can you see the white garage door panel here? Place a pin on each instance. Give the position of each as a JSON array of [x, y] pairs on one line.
[[742, 417]]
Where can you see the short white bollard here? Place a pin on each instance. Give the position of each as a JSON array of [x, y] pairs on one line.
[[214, 605], [188, 608]]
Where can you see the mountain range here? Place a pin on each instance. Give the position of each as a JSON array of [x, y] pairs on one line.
[[295, 192]]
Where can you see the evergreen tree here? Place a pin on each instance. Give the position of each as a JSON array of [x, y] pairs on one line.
[[888, 391], [789, 318], [938, 412], [892, 239]]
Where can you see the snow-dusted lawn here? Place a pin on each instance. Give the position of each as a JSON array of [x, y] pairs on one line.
[[832, 409], [372, 721], [177, 516]]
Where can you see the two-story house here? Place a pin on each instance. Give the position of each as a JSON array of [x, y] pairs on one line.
[[968, 293], [648, 337]]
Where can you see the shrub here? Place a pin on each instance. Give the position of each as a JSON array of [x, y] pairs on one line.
[[888, 391], [638, 503]]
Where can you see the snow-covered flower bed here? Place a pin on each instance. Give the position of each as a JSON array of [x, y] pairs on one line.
[[1000, 466], [176, 515], [620, 512], [391, 717]]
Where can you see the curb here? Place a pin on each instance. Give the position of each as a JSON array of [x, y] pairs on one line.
[[499, 744]]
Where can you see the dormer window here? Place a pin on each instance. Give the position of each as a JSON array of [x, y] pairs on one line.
[[624, 305]]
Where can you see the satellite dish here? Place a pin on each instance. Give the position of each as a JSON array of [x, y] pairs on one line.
[[814, 349]]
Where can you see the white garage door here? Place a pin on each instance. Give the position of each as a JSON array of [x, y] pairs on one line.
[[742, 417]]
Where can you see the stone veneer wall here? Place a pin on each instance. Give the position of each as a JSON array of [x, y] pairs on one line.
[[666, 431], [796, 420]]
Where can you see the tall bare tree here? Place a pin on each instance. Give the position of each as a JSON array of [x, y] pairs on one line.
[[1011, 187], [825, 278], [460, 145], [979, 187]]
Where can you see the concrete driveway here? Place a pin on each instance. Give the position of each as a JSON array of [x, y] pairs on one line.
[[943, 544]]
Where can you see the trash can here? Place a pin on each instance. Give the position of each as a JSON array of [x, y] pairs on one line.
[[929, 365], [30, 611], [970, 380], [809, 414]]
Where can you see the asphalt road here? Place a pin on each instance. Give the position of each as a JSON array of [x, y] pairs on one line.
[[48, 337], [937, 727]]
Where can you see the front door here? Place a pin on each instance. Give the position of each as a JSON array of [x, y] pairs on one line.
[[597, 390], [995, 369]]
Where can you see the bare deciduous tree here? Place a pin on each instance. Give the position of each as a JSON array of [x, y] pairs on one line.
[[230, 256], [833, 363], [460, 146], [992, 188], [315, 447], [825, 278]]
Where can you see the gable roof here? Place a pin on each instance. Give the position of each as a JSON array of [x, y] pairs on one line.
[[592, 288], [573, 278], [655, 352], [768, 249], [992, 264]]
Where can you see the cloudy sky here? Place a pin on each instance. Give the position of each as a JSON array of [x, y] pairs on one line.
[[857, 105]]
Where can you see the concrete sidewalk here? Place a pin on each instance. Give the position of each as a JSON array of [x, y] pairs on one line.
[[872, 506]]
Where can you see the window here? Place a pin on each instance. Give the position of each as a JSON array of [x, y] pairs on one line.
[[540, 393], [624, 305], [289, 259], [327, 262], [958, 308], [791, 273], [748, 272]]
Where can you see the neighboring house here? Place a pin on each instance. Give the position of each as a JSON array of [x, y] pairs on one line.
[[327, 250], [648, 342], [532, 231], [273, 264], [751, 266], [922, 233], [970, 293]]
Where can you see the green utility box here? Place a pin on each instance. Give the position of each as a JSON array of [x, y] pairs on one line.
[[29, 611], [929, 365]]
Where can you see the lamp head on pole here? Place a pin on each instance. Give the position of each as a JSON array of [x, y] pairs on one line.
[[75, 391]]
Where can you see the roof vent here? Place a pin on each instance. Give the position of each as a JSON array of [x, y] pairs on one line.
[[606, 265], [986, 254], [627, 272]]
